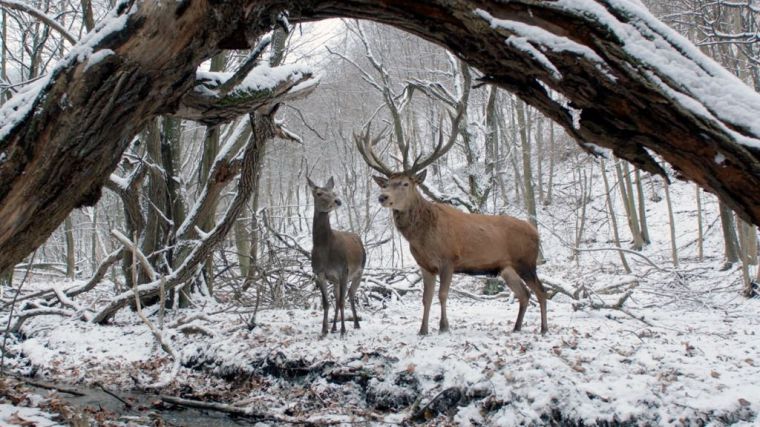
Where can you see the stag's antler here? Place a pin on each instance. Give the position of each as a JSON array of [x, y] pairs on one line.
[[440, 149], [365, 143]]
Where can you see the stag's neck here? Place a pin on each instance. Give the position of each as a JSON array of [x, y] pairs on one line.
[[322, 232], [417, 220]]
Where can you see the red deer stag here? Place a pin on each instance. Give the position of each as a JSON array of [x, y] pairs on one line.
[[337, 256], [444, 240]]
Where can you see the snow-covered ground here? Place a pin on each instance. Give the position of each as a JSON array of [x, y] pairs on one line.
[[682, 349], [690, 354]]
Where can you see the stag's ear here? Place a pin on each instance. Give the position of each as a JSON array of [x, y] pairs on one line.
[[380, 180], [330, 184], [420, 177]]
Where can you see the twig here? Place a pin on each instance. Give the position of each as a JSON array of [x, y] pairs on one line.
[[628, 251], [49, 386], [50, 22], [10, 313], [115, 396], [156, 333], [616, 306], [136, 253]]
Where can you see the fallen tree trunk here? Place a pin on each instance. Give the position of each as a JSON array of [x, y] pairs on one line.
[[612, 75]]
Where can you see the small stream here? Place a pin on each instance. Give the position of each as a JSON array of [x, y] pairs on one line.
[[142, 407]]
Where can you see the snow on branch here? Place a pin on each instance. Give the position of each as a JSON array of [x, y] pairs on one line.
[[215, 100], [532, 40]]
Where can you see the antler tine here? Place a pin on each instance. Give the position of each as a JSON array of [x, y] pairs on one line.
[[440, 149], [364, 144]]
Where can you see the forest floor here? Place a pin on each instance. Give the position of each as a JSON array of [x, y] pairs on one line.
[[670, 354]]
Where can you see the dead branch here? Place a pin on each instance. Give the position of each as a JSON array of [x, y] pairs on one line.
[[252, 414], [262, 130], [618, 305], [46, 311], [78, 289]]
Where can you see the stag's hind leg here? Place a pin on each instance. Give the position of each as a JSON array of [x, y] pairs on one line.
[[517, 286], [537, 287], [352, 297]]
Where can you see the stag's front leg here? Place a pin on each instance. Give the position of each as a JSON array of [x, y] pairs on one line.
[[428, 281], [325, 303], [443, 294]]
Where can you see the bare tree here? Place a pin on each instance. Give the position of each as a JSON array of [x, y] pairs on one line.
[[628, 111]]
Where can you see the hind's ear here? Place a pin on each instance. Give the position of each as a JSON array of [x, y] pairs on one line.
[[380, 180], [330, 184], [311, 184], [420, 177]]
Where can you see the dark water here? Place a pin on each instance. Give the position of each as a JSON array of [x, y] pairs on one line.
[[142, 408]]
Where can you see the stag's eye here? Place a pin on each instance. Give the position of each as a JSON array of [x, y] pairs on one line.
[[319, 193], [406, 184]]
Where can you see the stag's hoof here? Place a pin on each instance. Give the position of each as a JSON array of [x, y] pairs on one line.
[[443, 330], [423, 332], [356, 325]]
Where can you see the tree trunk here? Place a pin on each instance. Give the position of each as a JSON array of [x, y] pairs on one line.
[[527, 169], [730, 241], [672, 223], [630, 208], [700, 227], [613, 219], [642, 207], [64, 154], [552, 155], [71, 256]]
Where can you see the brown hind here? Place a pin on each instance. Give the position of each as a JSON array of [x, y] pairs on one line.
[[337, 257]]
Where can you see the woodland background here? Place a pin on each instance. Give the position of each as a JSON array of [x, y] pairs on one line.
[[614, 239]]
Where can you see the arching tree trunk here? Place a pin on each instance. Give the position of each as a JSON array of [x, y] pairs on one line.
[[61, 141]]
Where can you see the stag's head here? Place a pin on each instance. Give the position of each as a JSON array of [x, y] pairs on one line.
[[325, 200], [398, 190]]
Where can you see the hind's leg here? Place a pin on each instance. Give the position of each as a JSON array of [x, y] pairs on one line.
[[352, 297], [325, 303], [515, 283], [538, 288], [342, 304], [336, 294]]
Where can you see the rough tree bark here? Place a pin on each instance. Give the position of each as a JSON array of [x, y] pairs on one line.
[[58, 144]]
